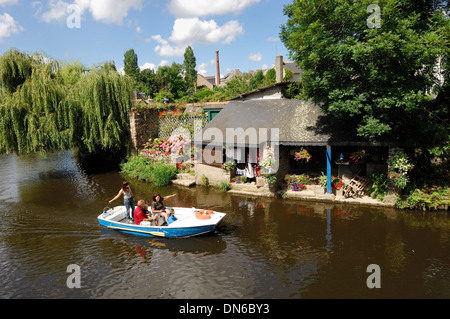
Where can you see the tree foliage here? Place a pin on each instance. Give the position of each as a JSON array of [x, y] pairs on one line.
[[171, 80], [130, 61], [385, 78], [177, 82], [15, 69], [190, 74], [48, 106]]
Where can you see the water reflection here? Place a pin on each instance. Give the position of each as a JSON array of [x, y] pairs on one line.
[[265, 248], [209, 244], [9, 187]]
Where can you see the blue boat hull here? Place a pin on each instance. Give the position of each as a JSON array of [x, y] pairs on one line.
[[186, 225], [151, 231]]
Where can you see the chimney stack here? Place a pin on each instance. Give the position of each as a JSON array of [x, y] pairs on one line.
[[218, 69], [279, 70]]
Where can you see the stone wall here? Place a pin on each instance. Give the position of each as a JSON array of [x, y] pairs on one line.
[[143, 126], [215, 175]]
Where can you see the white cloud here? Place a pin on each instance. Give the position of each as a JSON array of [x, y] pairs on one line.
[[194, 30], [273, 39], [188, 29], [203, 67], [108, 11], [4, 3], [164, 48], [255, 57], [121, 71], [199, 8], [57, 11], [147, 66], [164, 63], [8, 26]]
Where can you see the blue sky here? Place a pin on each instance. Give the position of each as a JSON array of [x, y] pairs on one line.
[[245, 32]]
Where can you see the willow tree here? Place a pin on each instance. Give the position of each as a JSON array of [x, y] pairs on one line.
[[41, 112], [15, 69], [104, 98]]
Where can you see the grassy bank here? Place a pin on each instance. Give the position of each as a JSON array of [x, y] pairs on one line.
[[140, 167]]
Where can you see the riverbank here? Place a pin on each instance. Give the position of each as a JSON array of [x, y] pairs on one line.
[[311, 193], [431, 199]]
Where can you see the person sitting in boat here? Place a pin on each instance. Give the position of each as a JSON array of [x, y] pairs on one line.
[[171, 217], [140, 216], [158, 206]]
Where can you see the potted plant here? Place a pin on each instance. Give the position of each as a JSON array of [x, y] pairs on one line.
[[228, 166], [399, 167], [268, 171], [338, 185], [297, 182]]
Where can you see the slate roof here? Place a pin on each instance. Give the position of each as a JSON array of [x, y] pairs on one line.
[[299, 122]]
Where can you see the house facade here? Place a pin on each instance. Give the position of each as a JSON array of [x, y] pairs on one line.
[[264, 124]]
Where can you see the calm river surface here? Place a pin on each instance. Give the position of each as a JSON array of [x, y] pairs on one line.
[[265, 248]]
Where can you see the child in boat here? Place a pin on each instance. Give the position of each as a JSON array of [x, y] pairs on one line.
[[171, 217]]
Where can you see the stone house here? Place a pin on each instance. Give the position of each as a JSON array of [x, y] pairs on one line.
[[207, 81], [264, 123]]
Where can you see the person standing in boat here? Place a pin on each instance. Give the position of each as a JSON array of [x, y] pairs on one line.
[[127, 200], [158, 206]]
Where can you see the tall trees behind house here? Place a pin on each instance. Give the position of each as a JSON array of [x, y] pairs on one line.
[[178, 82], [383, 77], [130, 62], [190, 73]]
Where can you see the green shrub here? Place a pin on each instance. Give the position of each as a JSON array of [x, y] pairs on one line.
[[136, 166], [224, 186], [419, 199], [155, 172], [271, 179], [163, 174], [205, 180], [378, 185]]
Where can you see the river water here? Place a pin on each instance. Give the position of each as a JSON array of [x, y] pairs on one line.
[[265, 248]]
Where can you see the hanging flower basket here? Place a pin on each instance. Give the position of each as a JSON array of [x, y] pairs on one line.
[[357, 157], [302, 155]]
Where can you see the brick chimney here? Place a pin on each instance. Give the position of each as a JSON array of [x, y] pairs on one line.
[[218, 68], [279, 68]]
